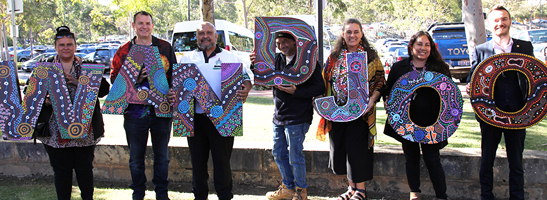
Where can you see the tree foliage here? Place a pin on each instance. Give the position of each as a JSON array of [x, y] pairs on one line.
[[90, 20]]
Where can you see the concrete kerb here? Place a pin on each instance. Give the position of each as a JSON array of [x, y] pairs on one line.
[[253, 164]]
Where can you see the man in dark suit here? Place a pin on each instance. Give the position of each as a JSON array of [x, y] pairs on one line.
[[510, 95]]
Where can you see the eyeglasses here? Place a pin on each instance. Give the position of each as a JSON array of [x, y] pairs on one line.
[[68, 35]]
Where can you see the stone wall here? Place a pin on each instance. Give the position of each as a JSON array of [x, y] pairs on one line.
[[253, 164]]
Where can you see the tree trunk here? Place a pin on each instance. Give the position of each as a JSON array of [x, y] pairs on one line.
[[6, 52], [208, 11], [244, 12], [474, 24], [31, 43], [2, 35]]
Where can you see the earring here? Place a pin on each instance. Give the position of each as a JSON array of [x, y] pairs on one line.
[[361, 42], [344, 42]]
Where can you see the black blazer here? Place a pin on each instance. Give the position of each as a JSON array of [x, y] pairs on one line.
[[486, 50]]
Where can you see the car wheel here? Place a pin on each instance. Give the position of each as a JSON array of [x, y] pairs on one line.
[[23, 60]]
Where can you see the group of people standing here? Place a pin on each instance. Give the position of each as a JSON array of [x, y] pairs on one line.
[[351, 143]]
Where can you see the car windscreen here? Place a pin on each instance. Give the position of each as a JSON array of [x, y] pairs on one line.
[[103, 52], [401, 52], [538, 36], [449, 34], [393, 49], [187, 41]]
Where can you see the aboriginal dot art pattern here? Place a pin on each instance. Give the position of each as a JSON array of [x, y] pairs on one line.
[[358, 96], [226, 112], [451, 109], [306, 54], [73, 115], [124, 92], [482, 90]]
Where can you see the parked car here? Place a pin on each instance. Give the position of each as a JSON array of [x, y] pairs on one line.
[[84, 46], [540, 51], [22, 55], [535, 36], [388, 56], [48, 50], [29, 65], [451, 42], [86, 50], [399, 55], [535, 21], [390, 44], [81, 55], [10, 49], [34, 47], [104, 56], [89, 56], [108, 45]]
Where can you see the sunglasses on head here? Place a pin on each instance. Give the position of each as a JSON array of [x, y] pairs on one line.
[[68, 35]]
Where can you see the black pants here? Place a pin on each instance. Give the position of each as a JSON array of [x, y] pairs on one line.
[[207, 139], [349, 152], [432, 161], [514, 142], [63, 161]]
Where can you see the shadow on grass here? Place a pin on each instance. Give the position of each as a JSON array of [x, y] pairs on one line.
[[267, 101]]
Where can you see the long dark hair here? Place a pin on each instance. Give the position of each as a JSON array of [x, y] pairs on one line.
[[340, 44], [435, 61]]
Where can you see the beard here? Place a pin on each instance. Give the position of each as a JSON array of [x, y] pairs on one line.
[[206, 47]]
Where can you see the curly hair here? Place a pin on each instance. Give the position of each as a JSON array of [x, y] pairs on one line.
[[340, 44]]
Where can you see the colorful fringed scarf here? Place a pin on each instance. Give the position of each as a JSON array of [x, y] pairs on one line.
[[376, 79]]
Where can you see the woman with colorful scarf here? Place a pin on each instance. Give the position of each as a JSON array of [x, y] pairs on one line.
[[352, 142]]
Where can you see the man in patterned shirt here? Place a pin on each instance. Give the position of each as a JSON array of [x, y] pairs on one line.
[[139, 119]]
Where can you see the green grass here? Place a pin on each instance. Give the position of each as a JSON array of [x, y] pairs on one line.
[[257, 126]]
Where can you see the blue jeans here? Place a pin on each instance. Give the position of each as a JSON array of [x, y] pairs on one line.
[[136, 130], [287, 153]]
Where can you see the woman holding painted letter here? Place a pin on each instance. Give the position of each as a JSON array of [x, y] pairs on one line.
[[66, 155], [351, 142], [424, 111]]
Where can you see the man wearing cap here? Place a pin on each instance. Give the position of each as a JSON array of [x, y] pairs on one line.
[[291, 121]]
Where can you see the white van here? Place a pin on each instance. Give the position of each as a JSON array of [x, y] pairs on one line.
[[231, 37]]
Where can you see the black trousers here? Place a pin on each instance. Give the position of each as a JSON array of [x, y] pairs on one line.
[[63, 161], [349, 152], [514, 142], [207, 139], [432, 161]]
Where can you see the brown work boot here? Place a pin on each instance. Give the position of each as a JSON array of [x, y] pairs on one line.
[[281, 193], [300, 194]]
